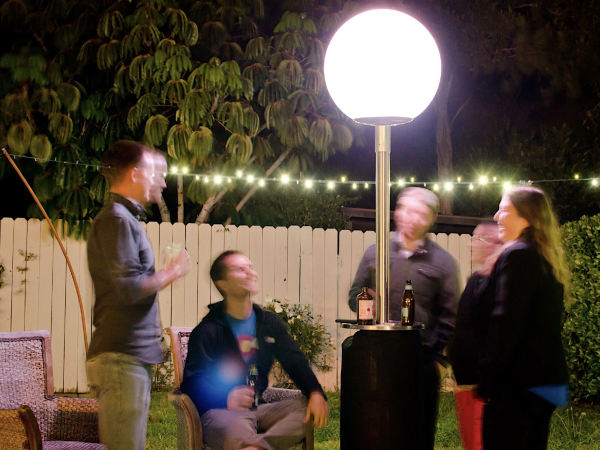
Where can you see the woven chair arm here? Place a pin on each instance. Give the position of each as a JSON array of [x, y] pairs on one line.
[[189, 427], [19, 429], [77, 419]]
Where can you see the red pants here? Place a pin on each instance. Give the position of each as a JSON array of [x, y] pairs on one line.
[[469, 413]]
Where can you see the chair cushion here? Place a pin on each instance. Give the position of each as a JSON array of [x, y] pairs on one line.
[[71, 445]]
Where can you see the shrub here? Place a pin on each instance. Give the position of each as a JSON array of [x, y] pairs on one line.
[[581, 330], [164, 373], [310, 334]]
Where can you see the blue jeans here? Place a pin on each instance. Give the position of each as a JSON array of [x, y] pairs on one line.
[[122, 386]]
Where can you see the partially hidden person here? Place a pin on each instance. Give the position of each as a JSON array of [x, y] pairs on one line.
[[464, 349]]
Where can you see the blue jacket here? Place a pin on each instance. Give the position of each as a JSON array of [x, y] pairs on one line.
[[214, 364]]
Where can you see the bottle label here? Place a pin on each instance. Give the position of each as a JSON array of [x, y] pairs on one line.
[[405, 313], [366, 309], [408, 287]]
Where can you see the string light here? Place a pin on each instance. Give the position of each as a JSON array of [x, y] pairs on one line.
[[309, 183], [330, 184]]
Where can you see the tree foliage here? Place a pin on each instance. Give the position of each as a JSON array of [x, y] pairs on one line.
[[219, 86]]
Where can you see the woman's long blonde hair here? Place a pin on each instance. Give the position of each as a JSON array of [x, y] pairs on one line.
[[534, 206]]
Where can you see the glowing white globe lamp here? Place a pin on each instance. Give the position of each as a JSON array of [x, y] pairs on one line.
[[382, 68]]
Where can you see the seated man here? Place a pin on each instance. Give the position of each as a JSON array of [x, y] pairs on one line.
[[234, 342]]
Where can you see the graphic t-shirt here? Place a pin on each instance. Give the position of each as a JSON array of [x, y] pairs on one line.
[[245, 333]]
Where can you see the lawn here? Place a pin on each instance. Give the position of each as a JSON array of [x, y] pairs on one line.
[[576, 427]]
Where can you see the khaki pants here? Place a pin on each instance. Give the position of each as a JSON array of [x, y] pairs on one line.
[[122, 386], [273, 426]]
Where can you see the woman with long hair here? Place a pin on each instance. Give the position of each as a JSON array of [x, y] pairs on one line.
[[522, 371]]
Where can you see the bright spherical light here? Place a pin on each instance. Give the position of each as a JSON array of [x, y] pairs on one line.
[[309, 183], [285, 179], [382, 67]]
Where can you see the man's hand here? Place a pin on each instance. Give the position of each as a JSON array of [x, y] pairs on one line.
[[240, 398], [317, 408]]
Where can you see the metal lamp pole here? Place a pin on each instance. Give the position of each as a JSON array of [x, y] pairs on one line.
[[383, 141]]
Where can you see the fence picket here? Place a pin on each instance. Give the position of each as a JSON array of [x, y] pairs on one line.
[[217, 246], [57, 333], [190, 282], [255, 253], [281, 263], [7, 227], [331, 289], [46, 270], [19, 276], [164, 296], [293, 265], [268, 263], [178, 287], [204, 261], [72, 317], [32, 287], [243, 240], [306, 272], [318, 286], [87, 293]]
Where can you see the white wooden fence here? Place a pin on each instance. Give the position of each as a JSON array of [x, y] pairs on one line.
[[304, 265]]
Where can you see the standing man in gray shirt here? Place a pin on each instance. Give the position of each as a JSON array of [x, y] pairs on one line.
[[126, 342], [434, 276]]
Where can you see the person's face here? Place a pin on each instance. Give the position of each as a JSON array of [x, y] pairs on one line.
[[241, 279], [158, 178], [510, 223], [484, 242], [142, 179], [413, 217]]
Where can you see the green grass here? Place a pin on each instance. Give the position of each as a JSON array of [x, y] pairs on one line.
[[572, 428]]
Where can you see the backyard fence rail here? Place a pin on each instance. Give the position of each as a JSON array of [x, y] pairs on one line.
[[303, 265]]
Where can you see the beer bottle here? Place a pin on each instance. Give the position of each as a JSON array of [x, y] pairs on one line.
[[252, 381], [366, 308], [408, 304]]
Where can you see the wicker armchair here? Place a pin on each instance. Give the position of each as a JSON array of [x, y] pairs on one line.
[[189, 427], [19, 429], [26, 379]]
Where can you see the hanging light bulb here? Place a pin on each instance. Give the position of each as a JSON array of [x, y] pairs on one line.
[[285, 179], [309, 183]]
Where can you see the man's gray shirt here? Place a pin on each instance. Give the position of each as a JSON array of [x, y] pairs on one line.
[[120, 258], [434, 276]]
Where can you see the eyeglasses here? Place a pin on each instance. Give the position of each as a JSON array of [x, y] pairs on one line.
[[486, 239]]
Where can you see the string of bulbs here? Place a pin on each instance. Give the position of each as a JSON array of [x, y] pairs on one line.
[[330, 184]]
